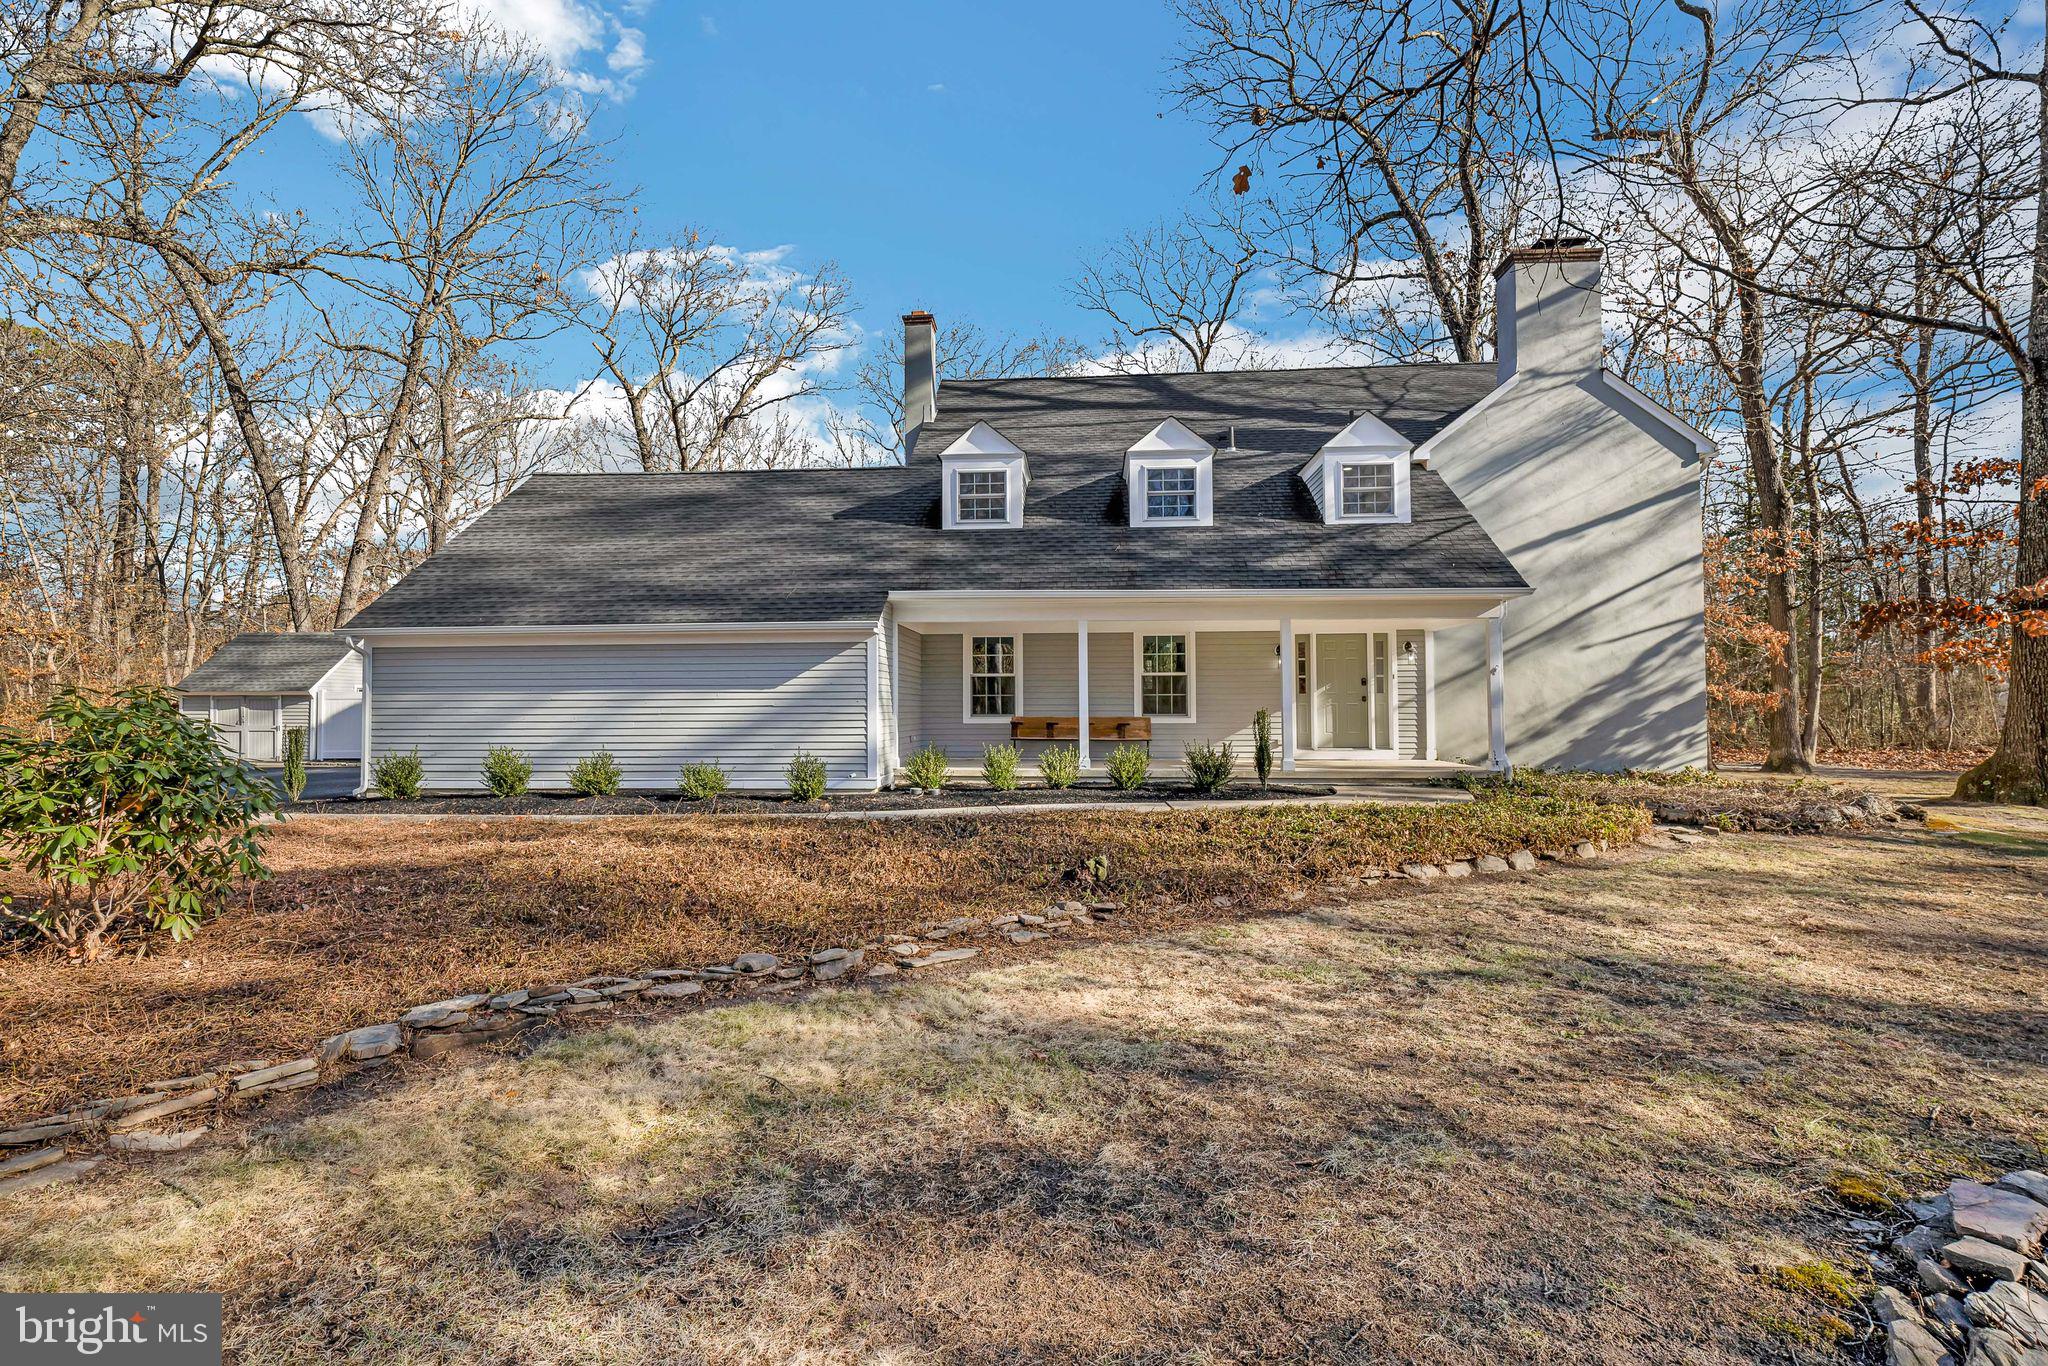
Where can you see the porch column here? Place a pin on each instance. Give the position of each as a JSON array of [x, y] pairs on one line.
[[1287, 696], [1496, 689], [1081, 686]]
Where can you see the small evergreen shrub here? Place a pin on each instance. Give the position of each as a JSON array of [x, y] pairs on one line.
[[1262, 745], [806, 776], [129, 817], [596, 775], [294, 762], [702, 782], [1210, 766], [1129, 766], [926, 769], [999, 766], [507, 771], [1060, 766], [398, 776]]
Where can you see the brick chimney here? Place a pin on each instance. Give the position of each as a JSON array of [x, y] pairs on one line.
[[920, 374], [1547, 308]]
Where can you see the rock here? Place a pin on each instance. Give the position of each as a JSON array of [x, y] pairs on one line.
[[1907, 1343], [371, 1041], [823, 956], [192, 1100], [1937, 1279], [40, 1133], [1948, 1317], [673, 991], [438, 1012], [1998, 1215], [2013, 1309], [789, 974], [1932, 1210], [1028, 919], [509, 999], [191, 1083], [1490, 863], [757, 962], [1586, 849], [1891, 1305], [838, 967], [671, 975], [938, 956], [1421, 872], [905, 948], [1025, 936], [1458, 869], [1522, 860], [33, 1160], [2036, 1275], [1975, 1257], [155, 1142], [435, 1044], [263, 1077], [2031, 1184], [47, 1176], [1917, 1242], [1688, 837], [631, 986], [1103, 907], [1989, 1347], [882, 970]]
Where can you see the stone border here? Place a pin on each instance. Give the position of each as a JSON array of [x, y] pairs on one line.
[[1976, 1282], [136, 1123]]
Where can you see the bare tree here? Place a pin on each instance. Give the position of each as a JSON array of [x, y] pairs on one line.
[[962, 350], [1173, 295]]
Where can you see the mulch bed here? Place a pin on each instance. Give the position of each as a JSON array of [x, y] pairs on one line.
[[756, 804]]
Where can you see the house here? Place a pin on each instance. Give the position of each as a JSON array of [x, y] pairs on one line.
[[261, 684], [1404, 564]]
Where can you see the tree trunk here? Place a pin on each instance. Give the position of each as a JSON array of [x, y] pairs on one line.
[[1925, 702], [370, 520]]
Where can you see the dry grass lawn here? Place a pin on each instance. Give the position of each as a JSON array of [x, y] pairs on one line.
[[1577, 1117]]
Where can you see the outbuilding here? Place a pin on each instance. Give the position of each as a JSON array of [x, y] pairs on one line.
[[261, 684]]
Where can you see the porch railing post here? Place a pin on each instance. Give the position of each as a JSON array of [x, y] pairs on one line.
[[1081, 687], [1287, 696]]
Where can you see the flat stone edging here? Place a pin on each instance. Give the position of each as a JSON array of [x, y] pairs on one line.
[[1972, 1264], [126, 1123]]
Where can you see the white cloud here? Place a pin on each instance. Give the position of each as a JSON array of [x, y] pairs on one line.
[[596, 52], [707, 25], [937, 87]]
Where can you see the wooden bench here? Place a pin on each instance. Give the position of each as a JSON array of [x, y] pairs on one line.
[[1069, 728]]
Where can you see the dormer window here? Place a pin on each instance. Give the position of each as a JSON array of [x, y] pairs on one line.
[[1169, 476], [1361, 474], [984, 481]]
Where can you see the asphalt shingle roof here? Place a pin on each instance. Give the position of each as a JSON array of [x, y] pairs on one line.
[[819, 545], [267, 661]]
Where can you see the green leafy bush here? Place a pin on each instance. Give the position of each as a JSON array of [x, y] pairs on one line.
[[999, 765], [1262, 745], [1210, 766], [295, 762], [596, 775], [806, 776], [702, 782], [926, 769], [398, 776], [130, 816], [507, 771], [1129, 766], [1060, 766]]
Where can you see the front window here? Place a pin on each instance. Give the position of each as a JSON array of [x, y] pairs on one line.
[[1169, 495], [1163, 676], [983, 496], [992, 676], [1368, 490]]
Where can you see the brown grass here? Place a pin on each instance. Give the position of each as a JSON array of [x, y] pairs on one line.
[[367, 917], [1590, 1116]]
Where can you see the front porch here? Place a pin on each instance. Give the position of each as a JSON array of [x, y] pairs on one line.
[[1349, 684]]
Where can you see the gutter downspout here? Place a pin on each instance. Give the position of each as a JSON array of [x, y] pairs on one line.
[[362, 647]]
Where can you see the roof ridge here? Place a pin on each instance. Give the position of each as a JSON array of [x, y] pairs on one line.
[[1208, 374]]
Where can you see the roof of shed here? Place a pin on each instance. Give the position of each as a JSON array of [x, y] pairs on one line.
[[267, 662]]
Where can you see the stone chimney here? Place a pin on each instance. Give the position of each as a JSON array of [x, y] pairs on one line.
[[1546, 300], [920, 374]]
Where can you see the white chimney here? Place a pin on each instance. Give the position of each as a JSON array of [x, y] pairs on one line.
[[920, 374], [1546, 300]]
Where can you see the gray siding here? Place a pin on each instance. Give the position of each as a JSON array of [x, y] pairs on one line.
[[1409, 705], [748, 705], [298, 712], [910, 678]]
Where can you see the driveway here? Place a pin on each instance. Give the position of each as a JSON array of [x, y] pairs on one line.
[[322, 780]]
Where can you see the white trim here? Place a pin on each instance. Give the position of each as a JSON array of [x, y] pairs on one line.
[[1063, 594], [1428, 698], [1288, 741], [1081, 691], [895, 696], [967, 716], [1464, 419], [1138, 634], [1337, 464], [874, 664], [1656, 412], [364, 648], [1013, 496], [1393, 639], [1497, 692], [650, 632], [1139, 472]]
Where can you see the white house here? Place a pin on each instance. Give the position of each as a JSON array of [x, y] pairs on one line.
[[261, 684]]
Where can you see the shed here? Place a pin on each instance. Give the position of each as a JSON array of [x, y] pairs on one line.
[[261, 684]]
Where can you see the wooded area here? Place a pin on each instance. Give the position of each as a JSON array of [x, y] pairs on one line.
[[221, 412]]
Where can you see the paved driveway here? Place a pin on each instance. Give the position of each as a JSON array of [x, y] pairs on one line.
[[322, 780]]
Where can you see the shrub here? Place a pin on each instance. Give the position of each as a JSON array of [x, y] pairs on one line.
[[999, 766], [1210, 766], [702, 782], [1262, 745], [596, 775], [926, 769], [507, 771], [1060, 766], [295, 762], [130, 816], [806, 775], [398, 775], [1129, 766]]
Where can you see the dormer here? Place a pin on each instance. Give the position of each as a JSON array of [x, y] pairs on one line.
[[984, 480], [1170, 478], [1361, 473]]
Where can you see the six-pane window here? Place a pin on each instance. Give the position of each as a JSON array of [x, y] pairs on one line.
[[1368, 490], [984, 496], [1163, 676], [1169, 495], [992, 676]]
